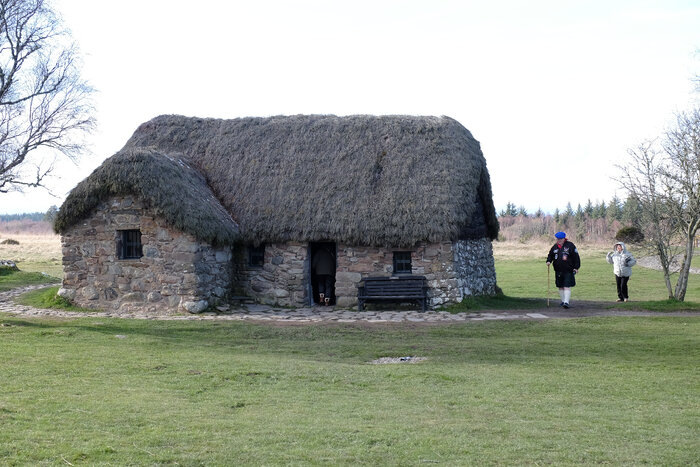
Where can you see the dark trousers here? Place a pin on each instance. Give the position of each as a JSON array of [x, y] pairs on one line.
[[621, 282], [325, 284]]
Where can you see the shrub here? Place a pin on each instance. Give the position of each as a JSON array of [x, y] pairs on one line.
[[629, 234], [9, 241]]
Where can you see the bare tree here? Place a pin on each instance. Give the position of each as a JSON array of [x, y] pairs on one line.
[[696, 78], [682, 174], [642, 179], [665, 182], [44, 103]]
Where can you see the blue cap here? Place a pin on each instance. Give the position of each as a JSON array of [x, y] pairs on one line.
[[560, 235]]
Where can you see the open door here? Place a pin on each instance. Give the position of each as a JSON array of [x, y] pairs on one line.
[[323, 257]]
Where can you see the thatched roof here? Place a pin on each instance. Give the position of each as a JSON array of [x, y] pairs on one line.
[[163, 182], [364, 180]]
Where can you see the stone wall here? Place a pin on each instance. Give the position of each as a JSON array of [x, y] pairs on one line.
[[443, 264], [476, 272], [453, 270], [355, 263], [176, 272], [282, 280]]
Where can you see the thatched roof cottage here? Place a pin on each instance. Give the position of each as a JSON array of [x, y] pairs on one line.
[[194, 210]]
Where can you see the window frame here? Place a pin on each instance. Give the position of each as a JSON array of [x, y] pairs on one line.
[[129, 244], [256, 256], [399, 264]]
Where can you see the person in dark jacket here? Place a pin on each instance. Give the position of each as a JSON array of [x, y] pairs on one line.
[[564, 256]]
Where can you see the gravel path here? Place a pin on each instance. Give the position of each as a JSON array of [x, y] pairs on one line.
[[264, 313], [653, 262]]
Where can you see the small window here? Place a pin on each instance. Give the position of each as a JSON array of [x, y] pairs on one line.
[[256, 256], [129, 244], [402, 262]]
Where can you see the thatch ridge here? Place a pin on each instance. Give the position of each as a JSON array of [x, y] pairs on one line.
[[167, 184], [364, 180]]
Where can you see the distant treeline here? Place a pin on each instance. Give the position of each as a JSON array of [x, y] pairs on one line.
[[28, 223], [32, 216], [616, 209], [47, 216], [598, 222]]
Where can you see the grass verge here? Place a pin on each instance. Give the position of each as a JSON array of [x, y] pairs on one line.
[[48, 298], [497, 302], [11, 279]]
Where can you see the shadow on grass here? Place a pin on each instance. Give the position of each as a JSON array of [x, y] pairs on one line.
[[328, 342], [496, 302]]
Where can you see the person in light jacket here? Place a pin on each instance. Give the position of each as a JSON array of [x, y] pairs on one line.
[[622, 262]]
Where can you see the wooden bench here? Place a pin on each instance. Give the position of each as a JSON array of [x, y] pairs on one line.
[[394, 288]]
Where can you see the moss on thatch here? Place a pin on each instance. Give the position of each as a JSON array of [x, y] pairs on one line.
[[365, 180], [362, 180], [166, 184]]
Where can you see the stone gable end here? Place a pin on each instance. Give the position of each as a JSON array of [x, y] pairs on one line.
[[175, 273]]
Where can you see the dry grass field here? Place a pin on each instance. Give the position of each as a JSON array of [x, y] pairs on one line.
[[34, 253], [514, 250]]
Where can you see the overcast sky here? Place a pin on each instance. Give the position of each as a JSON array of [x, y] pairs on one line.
[[555, 91]]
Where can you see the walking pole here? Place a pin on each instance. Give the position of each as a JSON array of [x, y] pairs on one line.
[[548, 286]]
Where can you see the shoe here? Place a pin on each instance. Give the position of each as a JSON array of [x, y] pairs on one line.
[[561, 304], [618, 300], [627, 299], [565, 305]]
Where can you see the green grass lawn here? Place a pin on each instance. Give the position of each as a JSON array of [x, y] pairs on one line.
[[10, 279], [621, 391], [116, 392], [527, 278], [48, 298]]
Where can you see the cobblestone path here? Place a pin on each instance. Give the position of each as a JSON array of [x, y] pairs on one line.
[[262, 313]]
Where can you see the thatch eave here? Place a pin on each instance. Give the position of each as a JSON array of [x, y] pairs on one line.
[[165, 183]]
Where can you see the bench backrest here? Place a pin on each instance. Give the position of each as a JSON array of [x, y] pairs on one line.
[[396, 285]]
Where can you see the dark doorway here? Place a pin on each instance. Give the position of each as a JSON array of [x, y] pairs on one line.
[[323, 256]]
